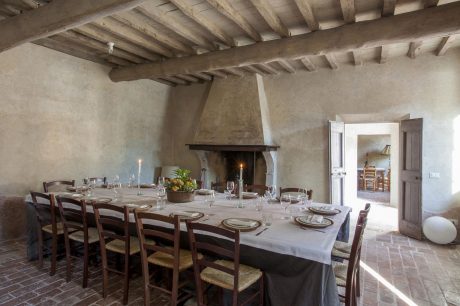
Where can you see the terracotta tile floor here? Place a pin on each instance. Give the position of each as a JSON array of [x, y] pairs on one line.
[[424, 273]]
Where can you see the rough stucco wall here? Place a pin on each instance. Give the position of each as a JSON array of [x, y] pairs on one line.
[[62, 118], [373, 146], [301, 104]]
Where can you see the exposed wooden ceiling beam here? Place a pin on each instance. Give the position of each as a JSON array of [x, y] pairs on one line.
[[383, 57], [254, 69], [116, 60], [430, 3], [415, 26], [142, 24], [173, 23], [208, 25], [269, 15], [389, 7], [173, 79], [166, 82], [95, 32], [414, 49], [234, 71], [286, 66], [332, 62], [445, 44], [218, 74], [348, 10], [188, 78], [100, 47], [269, 69], [117, 28], [203, 76], [56, 17], [307, 13], [226, 9], [357, 59], [308, 64]]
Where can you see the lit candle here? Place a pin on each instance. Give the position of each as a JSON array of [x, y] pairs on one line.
[[241, 171], [139, 172]]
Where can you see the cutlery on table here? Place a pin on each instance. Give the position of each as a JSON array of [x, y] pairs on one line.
[[312, 229], [262, 231]]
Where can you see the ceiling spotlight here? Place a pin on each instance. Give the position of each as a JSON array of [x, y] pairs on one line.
[[110, 46]]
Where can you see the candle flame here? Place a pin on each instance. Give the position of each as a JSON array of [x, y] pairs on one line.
[[140, 161], [241, 165]]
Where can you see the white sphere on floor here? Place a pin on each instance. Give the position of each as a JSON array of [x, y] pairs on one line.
[[439, 230]]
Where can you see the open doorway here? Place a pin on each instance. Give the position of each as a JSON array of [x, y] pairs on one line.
[[378, 145]]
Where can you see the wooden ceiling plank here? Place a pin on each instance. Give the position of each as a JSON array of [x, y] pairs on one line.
[[70, 49], [348, 10], [116, 60], [308, 63], [56, 17], [357, 59], [286, 66], [218, 74], [142, 25], [203, 76], [389, 7], [188, 78], [431, 3], [174, 24], [101, 47], [234, 71], [307, 13], [226, 9], [208, 25], [272, 19], [415, 26], [175, 80], [165, 82], [332, 62], [254, 69], [414, 49], [269, 69], [95, 32], [115, 27], [445, 44]]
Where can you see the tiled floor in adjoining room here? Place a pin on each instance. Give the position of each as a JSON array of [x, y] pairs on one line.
[[421, 273]]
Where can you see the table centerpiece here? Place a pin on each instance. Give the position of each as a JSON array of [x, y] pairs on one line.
[[181, 188]]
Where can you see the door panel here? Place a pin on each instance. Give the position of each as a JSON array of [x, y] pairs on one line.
[[336, 162], [410, 210]]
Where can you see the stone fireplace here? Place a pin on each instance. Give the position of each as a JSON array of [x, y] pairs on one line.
[[234, 128]]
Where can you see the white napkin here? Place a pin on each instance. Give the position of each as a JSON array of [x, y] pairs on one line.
[[204, 191], [187, 214], [315, 219], [327, 207], [239, 222], [250, 194]]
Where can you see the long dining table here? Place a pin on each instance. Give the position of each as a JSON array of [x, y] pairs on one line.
[[296, 260]]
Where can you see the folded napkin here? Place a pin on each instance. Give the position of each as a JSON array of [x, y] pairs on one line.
[[326, 207], [315, 219], [239, 222], [204, 191], [187, 214]]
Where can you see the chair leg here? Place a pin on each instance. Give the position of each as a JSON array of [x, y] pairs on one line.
[[53, 254], [358, 284], [261, 290], [85, 265], [146, 275], [105, 273], [68, 259], [40, 247], [126, 280], [175, 287]]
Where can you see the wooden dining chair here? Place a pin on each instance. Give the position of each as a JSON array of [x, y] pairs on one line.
[[114, 225], [387, 181], [74, 220], [47, 186], [98, 180], [342, 250], [309, 192], [370, 178], [260, 189], [226, 273], [47, 222], [346, 275], [169, 256]]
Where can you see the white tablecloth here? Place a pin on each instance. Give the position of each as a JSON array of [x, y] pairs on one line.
[[283, 236]]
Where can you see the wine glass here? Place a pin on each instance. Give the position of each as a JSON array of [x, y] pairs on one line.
[[272, 191], [230, 187], [259, 203], [161, 194], [285, 201], [161, 181]]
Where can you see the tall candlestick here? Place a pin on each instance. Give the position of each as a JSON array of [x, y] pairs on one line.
[[241, 171], [139, 178], [240, 188]]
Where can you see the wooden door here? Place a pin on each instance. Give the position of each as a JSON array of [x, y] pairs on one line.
[[336, 162], [410, 197]]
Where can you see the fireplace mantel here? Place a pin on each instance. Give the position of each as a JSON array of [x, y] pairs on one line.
[[240, 148]]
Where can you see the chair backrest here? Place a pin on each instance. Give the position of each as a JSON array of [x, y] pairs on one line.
[[292, 189], [73, 214], [98, 180], [370, 172], [114, 226], [366, 209], [48, 185], [220, 187], [260, 189], [154, 234], [45, 209], [231, 252]]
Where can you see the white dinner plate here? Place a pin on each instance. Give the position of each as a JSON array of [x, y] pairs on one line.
[[241, 224]]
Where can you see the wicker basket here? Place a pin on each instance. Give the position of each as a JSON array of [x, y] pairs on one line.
[[180, 196]]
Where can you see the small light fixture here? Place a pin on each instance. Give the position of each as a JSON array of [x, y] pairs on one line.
[[386, 150], [110, 45]]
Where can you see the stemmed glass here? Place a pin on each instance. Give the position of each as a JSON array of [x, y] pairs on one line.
[[210, 199], [272, 191], [230, 187], [132, 180], [285, 201], [161, 181]]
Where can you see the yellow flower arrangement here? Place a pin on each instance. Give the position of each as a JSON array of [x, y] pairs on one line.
[[181, 182]]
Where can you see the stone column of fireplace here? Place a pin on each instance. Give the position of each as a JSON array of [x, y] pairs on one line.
[[203, 157], [271, 162]]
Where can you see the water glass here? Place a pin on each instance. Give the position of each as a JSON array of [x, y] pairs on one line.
[[132, 181], [285, 201], [259, 203], [210, 199], [230, 187], [161, 181], [267, 219], [161, 195]]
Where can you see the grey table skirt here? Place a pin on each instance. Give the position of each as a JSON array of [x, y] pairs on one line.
[[289, 280]]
